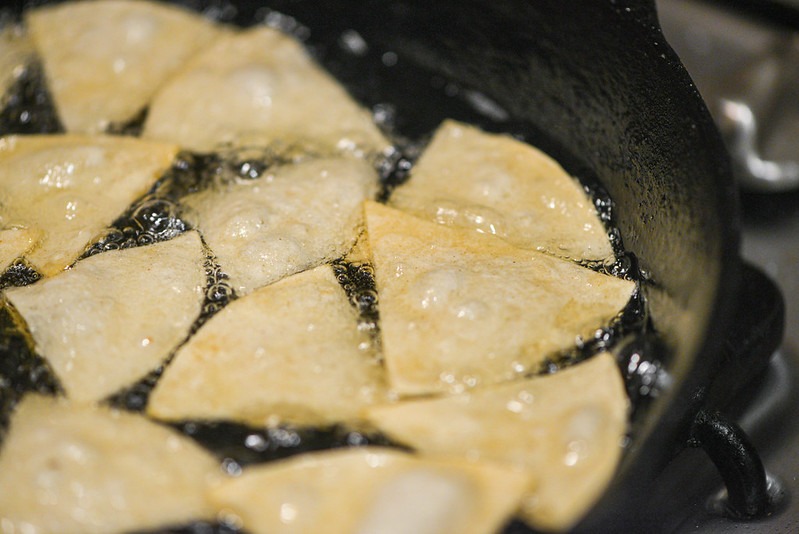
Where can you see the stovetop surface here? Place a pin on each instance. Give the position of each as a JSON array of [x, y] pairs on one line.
[[731, 57]]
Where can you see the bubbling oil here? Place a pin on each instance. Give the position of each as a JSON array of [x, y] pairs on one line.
[[19, 273], [27, 107], [149, 220], [245, 445], [358, 282]]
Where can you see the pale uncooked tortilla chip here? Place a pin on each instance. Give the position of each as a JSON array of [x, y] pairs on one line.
[[114, 316], [564, 429], [83, 470], [16, 53], [14, 242], [288, 220], [497, 185], [459, 309], [104, 60], [290, 351], [70, 187], [253, 88], [369, 491]]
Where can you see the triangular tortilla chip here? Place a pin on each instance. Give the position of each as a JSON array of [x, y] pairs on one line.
[[104, 60], [288, 220], [16, 52], [83, 470], [14, 242], [497, 185], [70, 187], [459, 309], [371, 490], [253, 88], [290, 351], [564, 429], [114, 316]]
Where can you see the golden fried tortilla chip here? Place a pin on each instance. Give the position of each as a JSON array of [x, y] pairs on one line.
[[371, 490], [288, 352], [88, 470], [497, 185], [459, 309], [115, 316]]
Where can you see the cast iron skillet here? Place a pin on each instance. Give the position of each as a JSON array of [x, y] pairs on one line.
[[594, 84]]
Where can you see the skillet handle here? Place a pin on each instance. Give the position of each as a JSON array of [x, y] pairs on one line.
[[738, 462]]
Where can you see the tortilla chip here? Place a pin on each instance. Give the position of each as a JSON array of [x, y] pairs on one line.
[[115, 316], [290, 351], [256, 87], [459, 309], [70, 187], [292, 219], [371, 490], [104, 60], [83, 470], [497, 185], [565, 429]]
